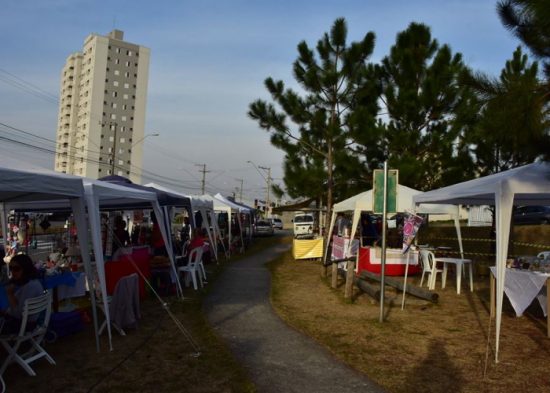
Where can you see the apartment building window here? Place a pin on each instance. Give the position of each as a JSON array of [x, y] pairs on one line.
[[117, 50], [115, 94], [127, 64], [115, 83], [126, 85], [111, 139], [123, 118], [109, 58], [127, 74], [117, 61], [122, 140], [129, 52], [124, 107], [125, 96], [113, 116], [113, 105]]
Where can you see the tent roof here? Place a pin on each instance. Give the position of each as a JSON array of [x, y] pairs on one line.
[[197, 201], [164, 198], [232, 204], [530, 185], [364, 202], [20, 181], [114, 195]]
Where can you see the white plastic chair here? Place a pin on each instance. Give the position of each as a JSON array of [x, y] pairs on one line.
[[428, 266], [37, 309], [125, 301], [193, 267]]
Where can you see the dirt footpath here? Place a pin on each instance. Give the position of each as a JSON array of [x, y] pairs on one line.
[[278, 358]]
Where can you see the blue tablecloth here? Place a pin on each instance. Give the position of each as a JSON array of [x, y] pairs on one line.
[[48, 282]]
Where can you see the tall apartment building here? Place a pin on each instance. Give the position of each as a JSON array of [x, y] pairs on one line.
[[102, 109]]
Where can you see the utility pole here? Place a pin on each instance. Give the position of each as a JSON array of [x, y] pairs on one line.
[[268, 170], [204, 172], [241, 190]]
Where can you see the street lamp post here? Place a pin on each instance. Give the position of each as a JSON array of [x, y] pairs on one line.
[[142, 139]]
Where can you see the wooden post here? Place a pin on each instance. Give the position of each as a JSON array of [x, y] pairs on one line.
[[492, 295], [334, 281], [548, 307], [348, 292]]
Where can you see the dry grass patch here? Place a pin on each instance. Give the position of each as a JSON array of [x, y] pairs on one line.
[[427, 347]]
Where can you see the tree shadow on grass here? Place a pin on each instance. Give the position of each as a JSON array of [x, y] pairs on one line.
[[436, 373]]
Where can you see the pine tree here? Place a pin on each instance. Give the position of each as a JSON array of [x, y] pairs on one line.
[[424, 101], [316, 128]]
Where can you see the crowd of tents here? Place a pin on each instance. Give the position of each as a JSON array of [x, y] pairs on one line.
[[29, 188]]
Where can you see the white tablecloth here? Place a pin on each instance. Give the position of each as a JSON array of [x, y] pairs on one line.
[[522, 286]]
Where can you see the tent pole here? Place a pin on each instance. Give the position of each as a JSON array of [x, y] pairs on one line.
[[383, 267]]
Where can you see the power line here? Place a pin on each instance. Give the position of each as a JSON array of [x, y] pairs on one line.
[[144, 173]]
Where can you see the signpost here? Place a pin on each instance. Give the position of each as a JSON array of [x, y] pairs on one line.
[[384, 201]]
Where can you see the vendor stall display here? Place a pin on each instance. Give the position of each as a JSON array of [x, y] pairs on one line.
[[307, 248], [370, 259], [525, 185], [363, 203]]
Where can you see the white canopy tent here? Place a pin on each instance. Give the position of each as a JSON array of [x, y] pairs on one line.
[[37, 186], [100, 195], [236, 208], [363, 202], [204, 206], [525, 185]]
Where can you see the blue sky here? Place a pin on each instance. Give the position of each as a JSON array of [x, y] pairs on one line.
[[208, 62]]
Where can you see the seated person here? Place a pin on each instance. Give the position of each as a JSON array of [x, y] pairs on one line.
[[369, 233], [197, 240], [22, 286]]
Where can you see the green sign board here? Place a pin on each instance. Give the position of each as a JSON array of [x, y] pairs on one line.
[[378, 191]]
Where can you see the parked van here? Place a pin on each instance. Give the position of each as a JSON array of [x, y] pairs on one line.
[[304, 224]]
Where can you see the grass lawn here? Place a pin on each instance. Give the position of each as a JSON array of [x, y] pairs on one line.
[[424, 348]]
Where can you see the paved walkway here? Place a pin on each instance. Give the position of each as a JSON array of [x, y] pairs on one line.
[[278, 358]]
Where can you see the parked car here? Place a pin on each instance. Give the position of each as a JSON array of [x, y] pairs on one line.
[[264, 227], [532, 215], [277, 223]]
